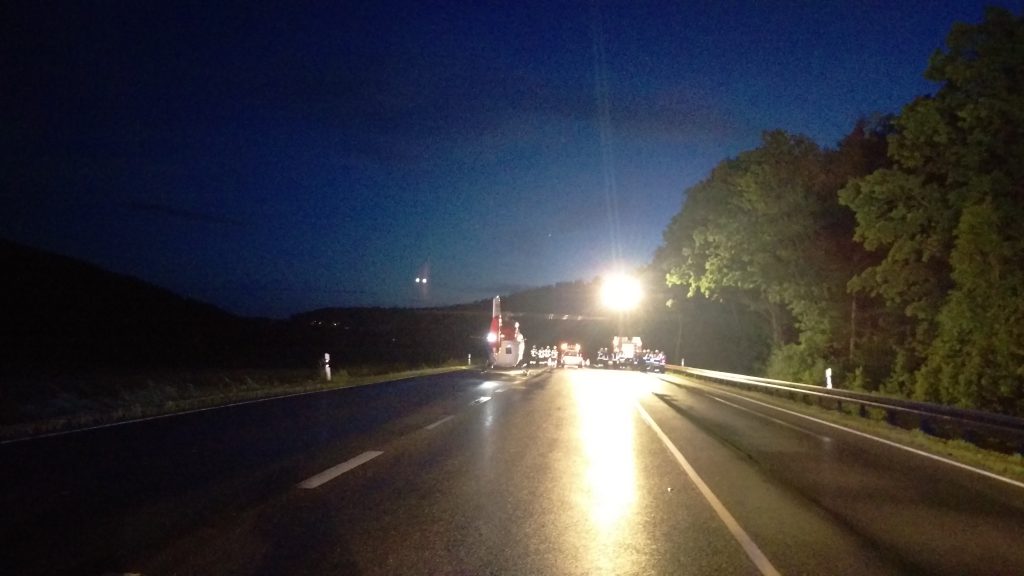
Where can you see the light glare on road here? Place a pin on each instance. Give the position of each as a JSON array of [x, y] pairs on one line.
[[606, 430]]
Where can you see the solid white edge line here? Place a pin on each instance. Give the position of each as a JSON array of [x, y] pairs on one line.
[[967, 467], [335, 471], [745, 541], [767, 417], [438, 423]]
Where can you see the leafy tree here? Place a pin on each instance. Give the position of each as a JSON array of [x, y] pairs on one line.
[[765, 229], [947, 219], [869, 327], [743, 231]]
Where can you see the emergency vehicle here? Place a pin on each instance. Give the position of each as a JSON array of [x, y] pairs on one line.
[[506, 343], [626, 353], [571, 356]]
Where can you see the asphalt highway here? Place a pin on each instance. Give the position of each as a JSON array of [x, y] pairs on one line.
[[559, 472]]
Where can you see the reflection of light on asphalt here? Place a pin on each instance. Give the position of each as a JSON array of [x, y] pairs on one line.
[[606, 426], [488, 415]]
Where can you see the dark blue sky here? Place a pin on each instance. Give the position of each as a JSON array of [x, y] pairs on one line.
[[271, 159]]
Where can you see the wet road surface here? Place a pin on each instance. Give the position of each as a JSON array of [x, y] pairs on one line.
[[561, 472]]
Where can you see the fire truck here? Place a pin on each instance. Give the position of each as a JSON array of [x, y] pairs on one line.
[[626, 353]]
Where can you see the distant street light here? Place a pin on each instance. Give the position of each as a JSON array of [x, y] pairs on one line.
[[621, 292]]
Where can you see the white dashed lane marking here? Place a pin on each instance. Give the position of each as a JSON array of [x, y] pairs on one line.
[[335, 471], [438, 423]]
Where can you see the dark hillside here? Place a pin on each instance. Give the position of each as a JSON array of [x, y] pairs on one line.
[[562, 299], [63, 313], [73, 330], [410, 336]]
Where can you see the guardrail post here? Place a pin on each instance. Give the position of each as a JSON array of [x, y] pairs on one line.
[[925, 425], [892, 419]]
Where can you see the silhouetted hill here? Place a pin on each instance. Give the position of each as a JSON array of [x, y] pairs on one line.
[[411, 336], [708, 334], [565, 298], [67, 316], [64, 313]]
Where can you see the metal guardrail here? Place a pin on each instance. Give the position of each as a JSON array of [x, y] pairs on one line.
[[987, 430]]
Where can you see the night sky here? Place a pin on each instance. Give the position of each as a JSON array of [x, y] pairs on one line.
[[272, 159]]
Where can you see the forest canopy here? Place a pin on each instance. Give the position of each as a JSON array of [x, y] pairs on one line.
[[897, 257]]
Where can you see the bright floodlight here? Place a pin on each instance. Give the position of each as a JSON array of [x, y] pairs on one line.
[[621, 292]]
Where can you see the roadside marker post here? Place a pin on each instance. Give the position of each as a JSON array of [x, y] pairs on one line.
[[327, 366]]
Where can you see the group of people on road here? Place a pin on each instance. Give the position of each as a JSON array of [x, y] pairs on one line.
[[656, 356], [543, 355]]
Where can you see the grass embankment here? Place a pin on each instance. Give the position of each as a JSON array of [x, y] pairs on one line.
[[1006, 465], [121, 398]]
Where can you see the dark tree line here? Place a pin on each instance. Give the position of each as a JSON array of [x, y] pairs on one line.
[[897, 258]]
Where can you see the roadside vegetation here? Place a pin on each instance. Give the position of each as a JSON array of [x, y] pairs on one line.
[[99, 400], [895, 258]]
